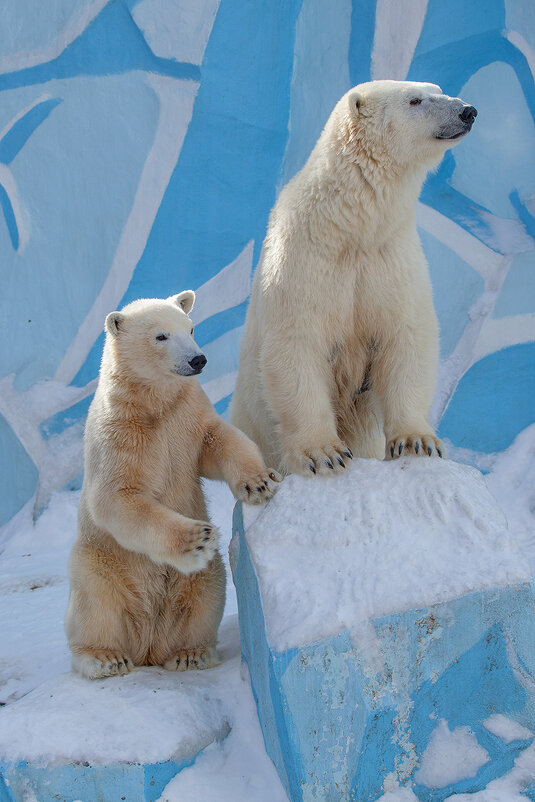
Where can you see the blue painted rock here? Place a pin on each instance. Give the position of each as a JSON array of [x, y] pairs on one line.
[[387, 619]]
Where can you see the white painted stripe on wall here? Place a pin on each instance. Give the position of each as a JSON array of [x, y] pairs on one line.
[[228, 288], [498, 333], [176, 103], [470, 249], [71, 31], [397, 29], [219, 388], [176, 29], [521, 44]]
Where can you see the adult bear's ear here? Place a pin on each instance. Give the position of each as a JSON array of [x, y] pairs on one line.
[[185, 300], [356, 101], [114, 323]]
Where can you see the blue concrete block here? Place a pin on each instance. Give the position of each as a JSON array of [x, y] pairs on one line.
[[120, 782], [349, 716]]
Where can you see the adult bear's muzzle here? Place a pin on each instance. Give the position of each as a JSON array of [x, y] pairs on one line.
[[468, 115], [460, 125]]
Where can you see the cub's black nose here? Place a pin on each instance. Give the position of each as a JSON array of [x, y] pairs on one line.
[[198, 362], [468, 114]]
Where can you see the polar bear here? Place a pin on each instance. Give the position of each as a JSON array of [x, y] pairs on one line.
[[147, 581], [340, 349]]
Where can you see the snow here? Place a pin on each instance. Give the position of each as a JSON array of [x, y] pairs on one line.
[[399, 795], [507, 729], [512, 483], [51, 714], [508, 788], [238, 767], [450, 756], [436, 519]]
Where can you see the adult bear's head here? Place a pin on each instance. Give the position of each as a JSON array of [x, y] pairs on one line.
[[404, 122], [151, 340]]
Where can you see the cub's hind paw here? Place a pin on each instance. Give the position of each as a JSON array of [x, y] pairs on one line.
[[190, 659], [415, 445], [258, 489], [100, 663]]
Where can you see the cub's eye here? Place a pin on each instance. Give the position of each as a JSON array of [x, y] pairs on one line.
[[415, 101], [191, 332], [162, 337]]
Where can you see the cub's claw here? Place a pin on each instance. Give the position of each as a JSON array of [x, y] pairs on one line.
[[189, 659], [259, 489], [100, 663]]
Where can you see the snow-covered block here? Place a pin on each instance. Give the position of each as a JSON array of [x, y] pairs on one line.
[[121, 738], [384, 613]]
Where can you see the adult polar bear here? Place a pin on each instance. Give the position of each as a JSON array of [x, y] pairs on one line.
[[340, 349]]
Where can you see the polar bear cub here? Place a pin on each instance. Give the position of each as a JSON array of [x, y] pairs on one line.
[[340, 349], [147, 581]]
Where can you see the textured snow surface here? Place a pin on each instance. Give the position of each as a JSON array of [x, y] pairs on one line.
[[508, 788], [507, 729], [165, 715], [450, 756], [385, 537], [399, 795]]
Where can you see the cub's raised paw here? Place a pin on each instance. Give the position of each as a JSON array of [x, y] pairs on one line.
[[198, 547], [100, 663], [258, 489], [322, 460], [190, 659], [415, 445]]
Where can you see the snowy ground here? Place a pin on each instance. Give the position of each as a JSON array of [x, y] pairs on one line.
[[35, 671]]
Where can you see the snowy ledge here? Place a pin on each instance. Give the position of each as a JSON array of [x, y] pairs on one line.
[[332, 553]]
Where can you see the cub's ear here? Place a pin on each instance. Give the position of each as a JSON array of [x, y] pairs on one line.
[[114, 323], [185, 300], [356, 101]]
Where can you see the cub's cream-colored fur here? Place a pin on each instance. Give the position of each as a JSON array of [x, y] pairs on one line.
[[340, 348], [147, 581]]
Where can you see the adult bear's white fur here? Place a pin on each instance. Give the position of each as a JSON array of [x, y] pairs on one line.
[[340, 348], [147, 581]]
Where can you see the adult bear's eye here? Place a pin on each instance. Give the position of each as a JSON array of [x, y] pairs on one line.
[[415, 101], [162, 337], [191, 332]]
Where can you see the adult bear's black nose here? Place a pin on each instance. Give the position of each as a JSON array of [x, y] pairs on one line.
[[198, 362], [468, 114]]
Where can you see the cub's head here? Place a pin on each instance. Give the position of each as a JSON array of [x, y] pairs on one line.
[[152, 339], [411, 123]]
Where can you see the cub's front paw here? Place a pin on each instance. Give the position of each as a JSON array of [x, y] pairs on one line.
[[324, 460], [258, 489], [198, 545], [189, 659], [415, 445], [99, 663]]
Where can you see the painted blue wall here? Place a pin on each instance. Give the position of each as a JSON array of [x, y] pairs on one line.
[[143, 143]]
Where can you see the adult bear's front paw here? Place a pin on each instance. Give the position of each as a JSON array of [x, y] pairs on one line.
[[415, 445], [259, 488], [324, 460]]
